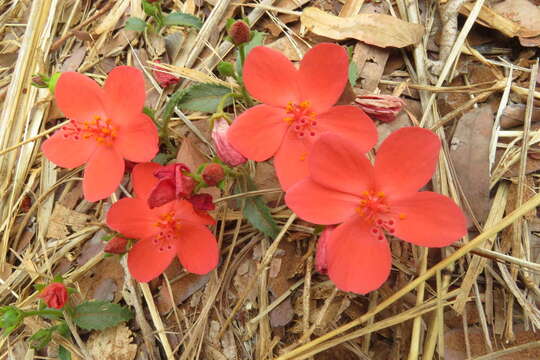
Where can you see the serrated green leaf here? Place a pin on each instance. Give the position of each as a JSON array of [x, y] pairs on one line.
[[99, 315], [258, 214], [257, 38], [135, 24], [41, 338], [150, 9], [181, 19], [204, 97], [63, 353]]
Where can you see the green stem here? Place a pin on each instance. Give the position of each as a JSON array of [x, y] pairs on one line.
[[43, 312], [166, 117], [242, 52]]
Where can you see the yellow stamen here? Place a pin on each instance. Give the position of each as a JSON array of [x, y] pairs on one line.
[[402, 216]]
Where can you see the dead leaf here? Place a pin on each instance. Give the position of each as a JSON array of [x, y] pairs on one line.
[[522, 12], [514, 114], [112, 344], [375, 29], [62, 218], [103, 281], [470, 153], [182, 289], [294, 52]]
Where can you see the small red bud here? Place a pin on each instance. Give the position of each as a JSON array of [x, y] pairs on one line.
[[117, 245], [213, 174], [55, 295], [239, 32]]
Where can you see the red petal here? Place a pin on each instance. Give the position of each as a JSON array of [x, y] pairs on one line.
[[323, 75], [430, 219], [138, 142], [270, 77], [184, 211], [406, 161], [143, 179], [124, 94], [258, 132], [103, 173], [132, 218], [338, 164], [351, 123], [79, 97], [146, 261], [197, 248], [67, 153], [292, 159], [320, 205], [357, 261]]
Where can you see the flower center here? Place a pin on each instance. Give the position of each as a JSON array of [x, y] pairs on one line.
[[374, 209], [169, 232], [102, 131], [302, 119]]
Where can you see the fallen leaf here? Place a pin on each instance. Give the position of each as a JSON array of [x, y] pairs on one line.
[[523, 12], [375, 29], [182, 289], [112, 344], [74, 60], [514, 114], [103, 281], [62, 218]]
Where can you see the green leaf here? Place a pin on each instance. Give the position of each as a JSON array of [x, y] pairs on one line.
[[135, 24], [258, 214], [181, 19], [41, 338], [150, 9], [63, 353], [257, 38], [204, 97], [99, 315], [353, 73]]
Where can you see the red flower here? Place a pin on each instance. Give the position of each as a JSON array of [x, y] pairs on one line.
[[369, 201], [107, 126], [164, 232], [173, 184], [224, 150], [297, 109], [163, 78], [55, 295]]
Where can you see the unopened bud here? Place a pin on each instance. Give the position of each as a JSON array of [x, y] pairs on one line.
[[225, 68], [213, 173], [225, 151], [239, 32], [321, 261], [55, 295], [117, 245], [381, 107]]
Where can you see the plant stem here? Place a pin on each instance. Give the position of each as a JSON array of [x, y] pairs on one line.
[[43, 312]]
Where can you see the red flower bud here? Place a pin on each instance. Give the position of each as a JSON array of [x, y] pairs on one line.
[[239, 32], [381, 107], [213, 173], [117, 245], [224, 149], [164, 79], [55, 295], [202, 202], [173, 184], [321, 263]]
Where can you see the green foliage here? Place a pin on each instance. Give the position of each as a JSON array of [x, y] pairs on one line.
[[203, 97], [99, 315], [225, 68], [353, 73], [63, 353], [150, 9], [10, 319], [258, 214], [181, 19], [41, 338], [257, 38], [135, 24]]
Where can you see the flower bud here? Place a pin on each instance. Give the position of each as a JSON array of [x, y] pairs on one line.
[[224, 149], [321, 263], [55, 295], [239, 32], [212, 174], [117, 245], [225, 68], [381, 107], [163, 78]]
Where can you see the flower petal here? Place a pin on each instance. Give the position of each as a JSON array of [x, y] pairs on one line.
[[103, 173], [406, 161], [291, 160], [323, 75], [431, 219], [67, 153], [146, 261], [138, 142], [143, 179], [351, 123], [124, 94], [357, 261], [320, 205], [184, 211], [270, 77], [258, 132], [132, 218], [79, 97], [197, 248], [340, 165]]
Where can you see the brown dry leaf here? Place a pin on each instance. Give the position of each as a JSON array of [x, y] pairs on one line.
[[181, 290], [374, 29], [514, 114], [75, 60], [61, 218], [470, 153], [112, 344], [265, 178], [190, 155], [522, 11], [103, 281], [285, 46]]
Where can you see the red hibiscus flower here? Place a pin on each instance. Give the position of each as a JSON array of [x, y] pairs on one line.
[[369, 201], [107, 126], [297, 109], [55, 295], [164, 232]]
